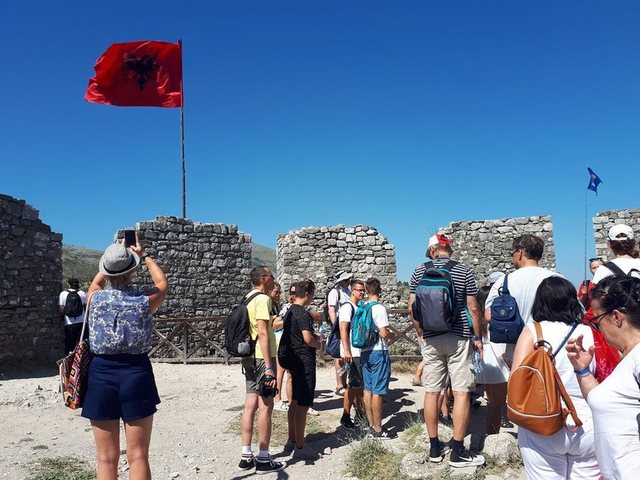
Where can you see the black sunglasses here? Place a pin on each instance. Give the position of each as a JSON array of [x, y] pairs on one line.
[[595, 321]]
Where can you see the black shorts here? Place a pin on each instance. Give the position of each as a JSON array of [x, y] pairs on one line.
[[303, 381], [354, 379]]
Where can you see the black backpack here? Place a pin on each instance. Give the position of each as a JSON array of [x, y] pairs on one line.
[[326, 305], [506, 323], [238, 341], [435, 299], [333, 341], [73, 305], [618, 272]]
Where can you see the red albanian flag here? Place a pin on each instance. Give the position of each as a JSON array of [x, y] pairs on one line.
[[138, 74]]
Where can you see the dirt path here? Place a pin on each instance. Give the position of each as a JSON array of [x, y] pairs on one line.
[[196, 428]]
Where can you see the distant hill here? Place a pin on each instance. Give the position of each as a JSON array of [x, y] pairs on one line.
[[261, 255], [82, 263]]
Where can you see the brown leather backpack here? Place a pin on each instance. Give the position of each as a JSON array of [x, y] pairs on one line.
[[535, 389]]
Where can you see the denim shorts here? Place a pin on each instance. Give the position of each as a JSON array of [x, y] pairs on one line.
[[120, 386], [376, 371]]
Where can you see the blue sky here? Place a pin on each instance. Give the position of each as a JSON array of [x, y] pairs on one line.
[[401, 115]]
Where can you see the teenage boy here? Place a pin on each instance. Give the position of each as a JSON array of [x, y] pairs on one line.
[[298, 330], [260, 368], [351, 355], [376, 365]]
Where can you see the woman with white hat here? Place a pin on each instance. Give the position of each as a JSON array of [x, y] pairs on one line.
[[121, 384]]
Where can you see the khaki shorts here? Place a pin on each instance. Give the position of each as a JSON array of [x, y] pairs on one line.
[[253, 372], [447, 354]]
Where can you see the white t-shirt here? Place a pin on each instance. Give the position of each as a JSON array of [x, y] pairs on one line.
[[381, 319], [338, 296], [615, 404], [523, 285], [345, 314], [555, 333], [62, 300], [625, 264]]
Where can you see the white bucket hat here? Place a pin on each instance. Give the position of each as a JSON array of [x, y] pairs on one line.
[[118, 260], [342, 275]]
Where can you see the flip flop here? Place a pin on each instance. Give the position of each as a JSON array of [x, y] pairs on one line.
[[340, 391]]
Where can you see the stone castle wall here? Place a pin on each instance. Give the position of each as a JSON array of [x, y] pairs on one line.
[[319, 252], [603, 221], [486, 245], [207, 264], [31, 330]]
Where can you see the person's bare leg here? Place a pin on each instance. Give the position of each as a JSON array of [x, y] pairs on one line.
[[138, 435], [347, 402], [265, 412], [279, 379], [340, 379], [417, 377], [368, 406], [497, 396], [300, 424], [248, 414], [107, 437], [461, 413], [377, 405], [431, 413], [289, 387], [291, 415]]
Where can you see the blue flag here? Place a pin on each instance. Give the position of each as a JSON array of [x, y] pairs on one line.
[[594, 181]]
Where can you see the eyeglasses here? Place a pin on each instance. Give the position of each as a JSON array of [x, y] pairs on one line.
[[595, 321], [515, 251]]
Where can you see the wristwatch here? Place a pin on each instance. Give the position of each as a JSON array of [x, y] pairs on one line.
[[477, 338], [145, 256]]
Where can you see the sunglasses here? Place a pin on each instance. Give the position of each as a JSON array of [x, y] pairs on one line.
[[595, 321]]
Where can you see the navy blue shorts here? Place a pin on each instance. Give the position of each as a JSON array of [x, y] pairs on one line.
[[120, 386]]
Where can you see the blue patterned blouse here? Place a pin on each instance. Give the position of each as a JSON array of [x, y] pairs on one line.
[[120, 321]]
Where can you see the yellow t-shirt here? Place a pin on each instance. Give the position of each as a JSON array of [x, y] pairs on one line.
[[260, 309]]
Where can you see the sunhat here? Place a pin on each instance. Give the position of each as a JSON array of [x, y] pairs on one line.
[[118, 260], [620, 232], [342, 275], [494, 277]]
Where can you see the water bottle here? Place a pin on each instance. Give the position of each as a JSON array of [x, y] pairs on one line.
[[345, 368], [477, 362], [324, 330]]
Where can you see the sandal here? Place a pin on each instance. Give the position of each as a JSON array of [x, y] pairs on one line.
[[340, 391]]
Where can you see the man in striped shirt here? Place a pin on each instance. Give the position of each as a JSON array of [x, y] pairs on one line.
[[449, 354]]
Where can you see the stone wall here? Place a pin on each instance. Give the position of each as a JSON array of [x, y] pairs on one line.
[[207, 264], [486, 245], [603, 221], [31, 331], [319, 252]]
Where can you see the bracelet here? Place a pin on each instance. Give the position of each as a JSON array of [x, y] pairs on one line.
[[582, 373], [477, 338], [145, 256]]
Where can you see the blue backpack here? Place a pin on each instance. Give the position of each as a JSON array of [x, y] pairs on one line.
[[506, 322], [364, 332], [435, 299], [333, 341]]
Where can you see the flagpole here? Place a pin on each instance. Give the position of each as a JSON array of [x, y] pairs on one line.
[[184, 168], [586, 199]]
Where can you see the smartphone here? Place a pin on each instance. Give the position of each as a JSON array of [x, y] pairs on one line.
[[129, 238]]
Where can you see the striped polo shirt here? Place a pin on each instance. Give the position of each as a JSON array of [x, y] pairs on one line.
[[464, 285]]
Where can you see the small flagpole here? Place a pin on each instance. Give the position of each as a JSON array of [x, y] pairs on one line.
[[586, 199], [184, 168]]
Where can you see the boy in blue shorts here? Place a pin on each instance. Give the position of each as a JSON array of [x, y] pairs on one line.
[[376, 365]]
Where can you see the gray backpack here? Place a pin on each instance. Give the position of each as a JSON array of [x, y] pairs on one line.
[[434, 305]]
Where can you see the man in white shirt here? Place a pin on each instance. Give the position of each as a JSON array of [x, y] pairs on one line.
[[338, 296], [376, 365], [623, 245], [73, 321], [351, 355], [524, 282]]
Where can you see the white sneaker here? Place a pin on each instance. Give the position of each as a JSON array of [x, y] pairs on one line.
[[306, 453], [281, 406], [313, 412]]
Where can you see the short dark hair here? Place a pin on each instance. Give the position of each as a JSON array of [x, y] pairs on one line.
[[556, 301], [625, 246], [257, 273], [531, 245], [619, 293], [354, 282], [304, 287], [372, 286], [73, 283]]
